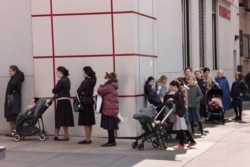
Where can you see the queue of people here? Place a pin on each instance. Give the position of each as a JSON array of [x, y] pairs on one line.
[[193, 88], [189, 95], [64, 112]]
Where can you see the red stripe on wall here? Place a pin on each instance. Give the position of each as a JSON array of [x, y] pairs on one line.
[[93, 56], [52, 40], [113, 34], [94, 13]]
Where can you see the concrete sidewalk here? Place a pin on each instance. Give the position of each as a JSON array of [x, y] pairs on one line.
[[226, 145]]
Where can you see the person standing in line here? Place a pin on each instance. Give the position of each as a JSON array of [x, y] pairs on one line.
[[14, 88], [187, 72], [86, 91], [64, 113], [179, 123], [110, 107], [238, 89], [222, 81], [161, 88], [194, 97], [151, 94], [184, 91], [203, 86], [207, 77]]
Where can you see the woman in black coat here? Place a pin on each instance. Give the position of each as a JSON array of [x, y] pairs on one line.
[[13, 88], [85, 92], [238, 89], [64, 114]]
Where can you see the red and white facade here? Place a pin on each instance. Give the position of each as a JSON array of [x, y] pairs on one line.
[[134, 38]]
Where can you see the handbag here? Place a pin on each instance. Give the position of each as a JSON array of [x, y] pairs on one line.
[[77, 105], [10, 100]]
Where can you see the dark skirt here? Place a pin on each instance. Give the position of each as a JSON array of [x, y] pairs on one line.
[[237, 102], [64, 114], [11, 118], [86, 116], [109, 123]]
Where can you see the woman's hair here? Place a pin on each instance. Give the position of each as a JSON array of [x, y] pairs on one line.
[[175, 83], [150, 78], [63, 70], [180, 80], [89, 71], [36, 99], [239, 75], [14, 68], [205, 69], [162, 78]]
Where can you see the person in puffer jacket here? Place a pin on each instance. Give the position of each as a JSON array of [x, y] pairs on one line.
[[110, 107]]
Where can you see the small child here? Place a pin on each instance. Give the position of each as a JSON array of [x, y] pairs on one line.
[[29, 111], [215, 103], [179, 124]]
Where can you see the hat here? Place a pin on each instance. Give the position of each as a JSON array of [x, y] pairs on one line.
[[206, 69], [111, 75]]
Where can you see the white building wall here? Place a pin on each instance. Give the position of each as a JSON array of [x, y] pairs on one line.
[[208, 34], [134, 38], [15, 49], [194, 34], [227, 29]]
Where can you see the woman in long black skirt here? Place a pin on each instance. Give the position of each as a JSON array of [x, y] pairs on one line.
[[64, 113]]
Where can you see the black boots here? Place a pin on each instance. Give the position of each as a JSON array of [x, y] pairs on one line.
[[111, 141], [200, 127]]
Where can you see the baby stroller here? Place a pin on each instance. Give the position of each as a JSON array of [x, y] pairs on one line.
[[215, 111], [26, 126], [155, 130]]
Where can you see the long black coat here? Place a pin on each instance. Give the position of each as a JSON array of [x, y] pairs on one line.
[[14, 86]]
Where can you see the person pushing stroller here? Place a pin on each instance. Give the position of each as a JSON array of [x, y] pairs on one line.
[[179, 122]]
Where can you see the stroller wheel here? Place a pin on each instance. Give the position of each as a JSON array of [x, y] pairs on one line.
[[16, 138], [46, 134], [155, 143], [164, 145], [134, 145], [140, 147], [42, 137]]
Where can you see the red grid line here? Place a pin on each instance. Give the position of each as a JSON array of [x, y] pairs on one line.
[[87, 56], [94, 13], [113, 34]]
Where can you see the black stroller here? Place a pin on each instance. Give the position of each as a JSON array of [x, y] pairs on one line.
[[27, 126], [214, 111], [155, 130]]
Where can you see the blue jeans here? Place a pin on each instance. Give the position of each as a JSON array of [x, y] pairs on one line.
[[194, 114]]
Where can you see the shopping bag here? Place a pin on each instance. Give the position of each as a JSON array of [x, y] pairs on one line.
[[98, 104]]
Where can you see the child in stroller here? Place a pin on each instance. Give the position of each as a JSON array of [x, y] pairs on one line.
[[26, 125], [29, 111], [215, 106]]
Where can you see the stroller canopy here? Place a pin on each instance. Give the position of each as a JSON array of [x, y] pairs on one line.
[[214, 92]]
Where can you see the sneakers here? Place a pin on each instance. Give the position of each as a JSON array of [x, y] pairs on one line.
[[178, 146], [191, 144]]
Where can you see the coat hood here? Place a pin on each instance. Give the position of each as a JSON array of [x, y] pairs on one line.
[[92, 81]]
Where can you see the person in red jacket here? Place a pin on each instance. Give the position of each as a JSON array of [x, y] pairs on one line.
[[110, 107]]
